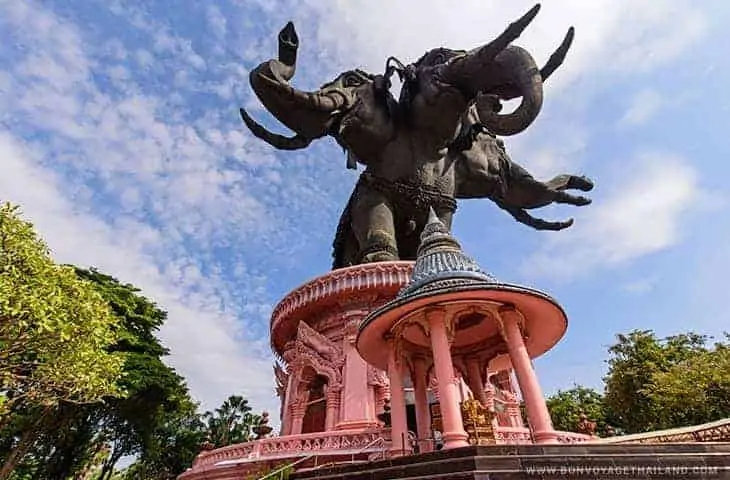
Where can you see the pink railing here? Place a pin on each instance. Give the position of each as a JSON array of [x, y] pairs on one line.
[[572, 437], [343, 442], [321, 443], [512, 435], [522, 436]]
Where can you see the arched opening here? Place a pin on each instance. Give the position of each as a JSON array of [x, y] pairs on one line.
[[316, 412]]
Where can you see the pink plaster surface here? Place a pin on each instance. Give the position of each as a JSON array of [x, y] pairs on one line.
[[373, 284]]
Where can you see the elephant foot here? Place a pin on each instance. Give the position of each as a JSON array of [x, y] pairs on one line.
[[581, 201], [576, 200], [379, 256], [582, 183]]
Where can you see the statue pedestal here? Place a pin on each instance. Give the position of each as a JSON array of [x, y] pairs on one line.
[[313, 332]]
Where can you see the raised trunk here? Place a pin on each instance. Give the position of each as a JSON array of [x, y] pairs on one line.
[[306, 113]]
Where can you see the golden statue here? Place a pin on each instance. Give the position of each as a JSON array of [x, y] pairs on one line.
[[477, 422]]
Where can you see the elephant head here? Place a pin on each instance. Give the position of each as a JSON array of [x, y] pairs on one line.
[[353, 108], [496, 71]]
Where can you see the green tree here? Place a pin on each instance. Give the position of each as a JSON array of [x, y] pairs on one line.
[[122, 426], [77, 438], [55, 334], [566, 406], [176, 441], [55, 329], [231, 423], [179, 437], [634, 362], [695, 390]]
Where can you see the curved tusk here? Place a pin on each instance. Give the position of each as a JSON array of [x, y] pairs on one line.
[[280, 142], [557, 58], [510, 34]]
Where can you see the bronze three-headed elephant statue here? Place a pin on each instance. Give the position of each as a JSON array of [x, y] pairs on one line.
[[433, 145]]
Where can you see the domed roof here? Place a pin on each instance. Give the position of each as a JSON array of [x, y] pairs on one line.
[[440, 260]]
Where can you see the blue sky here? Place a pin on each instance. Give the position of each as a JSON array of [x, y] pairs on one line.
[[119, 135]]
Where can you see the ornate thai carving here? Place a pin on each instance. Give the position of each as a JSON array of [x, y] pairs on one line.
[[323, 443], [282, 380], [377, 377], [509, 313], [328, 300], [327, 349]]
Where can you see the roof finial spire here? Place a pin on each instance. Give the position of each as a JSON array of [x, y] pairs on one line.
[[440, 257], [436, 235]]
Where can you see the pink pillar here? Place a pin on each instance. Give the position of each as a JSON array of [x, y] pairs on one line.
[[423, 414], [291, 390], [476, 384], [453, 435], [537, 411], [299, 408], [333, 408], [356, 411], [398, 420]]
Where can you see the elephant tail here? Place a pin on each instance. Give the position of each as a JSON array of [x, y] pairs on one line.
[[345, 249]]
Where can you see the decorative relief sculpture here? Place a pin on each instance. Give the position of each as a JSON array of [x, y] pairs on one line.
[[322, 345]]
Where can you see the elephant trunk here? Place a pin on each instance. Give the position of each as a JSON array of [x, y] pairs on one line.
[[526, 82], [306, 113]]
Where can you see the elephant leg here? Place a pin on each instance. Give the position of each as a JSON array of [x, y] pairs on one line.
[[374, 228]]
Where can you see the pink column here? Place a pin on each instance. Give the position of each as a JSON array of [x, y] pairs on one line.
[[299, 408], [453, 435], [398, 420], [537, 411], [356, 411], [333, 408], [291, 390], [476, 384], [423, 414]]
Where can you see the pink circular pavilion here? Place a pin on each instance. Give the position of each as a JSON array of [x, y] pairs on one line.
[[452, 321], [336, 336]]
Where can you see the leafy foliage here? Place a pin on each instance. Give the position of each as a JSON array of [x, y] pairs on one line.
[[231, 423], [695, 390], [74, 437], [566, 406], [55, 329], [655, 383], [178, 439]]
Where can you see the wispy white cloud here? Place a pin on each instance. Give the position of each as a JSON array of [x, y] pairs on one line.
[[202, 327], [642, 214], [115, 178], [641, 285], [627, 36], [644, 105]]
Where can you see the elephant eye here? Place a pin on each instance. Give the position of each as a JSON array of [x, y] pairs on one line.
[[352, 81]]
